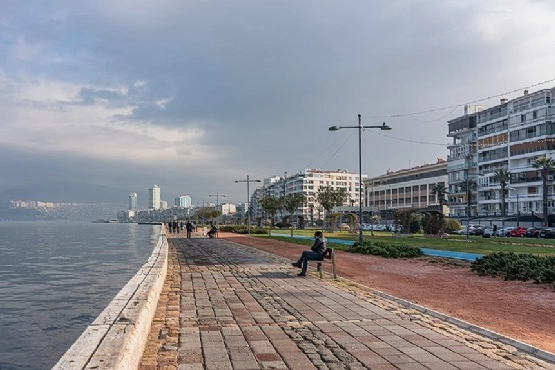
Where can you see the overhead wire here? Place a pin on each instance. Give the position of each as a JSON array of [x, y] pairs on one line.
[[413, 116], [463, 104]]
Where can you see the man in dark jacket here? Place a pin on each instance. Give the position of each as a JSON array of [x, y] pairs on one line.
[[316, 253]]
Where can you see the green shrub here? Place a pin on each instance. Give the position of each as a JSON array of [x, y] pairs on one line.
[[386, 250], [452, 225], [240, 229], [512, 266]]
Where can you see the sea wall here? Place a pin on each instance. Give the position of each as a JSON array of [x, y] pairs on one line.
[[117, 338]]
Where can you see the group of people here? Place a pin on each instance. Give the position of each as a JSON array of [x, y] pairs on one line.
[[316, 252], [175, 226]]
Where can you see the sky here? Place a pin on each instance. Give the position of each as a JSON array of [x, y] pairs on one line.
[[194, 95]]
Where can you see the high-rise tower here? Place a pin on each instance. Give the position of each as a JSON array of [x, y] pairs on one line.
[[133, 202], [154, 197]]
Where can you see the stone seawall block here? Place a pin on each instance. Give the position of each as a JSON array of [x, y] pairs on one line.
[[117, 337]]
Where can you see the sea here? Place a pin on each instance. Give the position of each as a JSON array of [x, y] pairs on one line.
[[56, 277]]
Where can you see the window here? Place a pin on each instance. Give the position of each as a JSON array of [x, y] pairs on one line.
[[523, 118]]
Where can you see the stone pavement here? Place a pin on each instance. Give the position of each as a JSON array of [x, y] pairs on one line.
[[228, 306]]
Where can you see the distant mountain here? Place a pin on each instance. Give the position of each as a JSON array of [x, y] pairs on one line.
[[67, 192]]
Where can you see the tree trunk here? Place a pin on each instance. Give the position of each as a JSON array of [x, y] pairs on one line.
[[544, 198]]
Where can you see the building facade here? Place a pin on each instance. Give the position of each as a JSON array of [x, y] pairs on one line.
[[133, 205], [183, 201], [406, 188], [307, 182], [154, 197], [462, 163], [509, 136]]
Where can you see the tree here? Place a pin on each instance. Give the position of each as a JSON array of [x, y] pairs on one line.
[[271, 205], [503, 177], [439, 190], [468, 186], [546, 167], [293, 201], [206, 213], [404, 218], [329, 197]]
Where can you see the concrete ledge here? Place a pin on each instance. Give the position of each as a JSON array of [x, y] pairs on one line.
[[117, 338]]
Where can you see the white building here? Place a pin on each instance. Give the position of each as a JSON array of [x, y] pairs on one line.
[[133, 202], [461, 162], [183, 201], [308, 182], [509, 136], [227, 209], [406, 188], [154, 197]]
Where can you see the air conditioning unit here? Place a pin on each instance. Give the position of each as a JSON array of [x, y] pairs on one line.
[[549, 177]]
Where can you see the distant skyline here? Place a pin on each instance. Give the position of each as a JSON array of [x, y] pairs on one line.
[[193, 95]]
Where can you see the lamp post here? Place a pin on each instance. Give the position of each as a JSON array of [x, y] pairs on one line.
[[248, 181], [517, 208], [217, 195], [360, 127]]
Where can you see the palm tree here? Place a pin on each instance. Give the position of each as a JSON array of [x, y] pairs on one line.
[[468, 186], [546, 167], [271, 205], [328, 197], [440, 190], [503, 177], [291, 202]]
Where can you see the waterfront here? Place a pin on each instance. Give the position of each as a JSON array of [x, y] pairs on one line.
[[56, 277]]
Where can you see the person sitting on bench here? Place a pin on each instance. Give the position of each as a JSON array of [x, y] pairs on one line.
[[212, 231], [316, 253]]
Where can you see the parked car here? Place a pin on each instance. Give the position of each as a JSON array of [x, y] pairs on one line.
[[548, 233], [488, 232], [533, 232], [505, 231], [518, 231], [476, 229]]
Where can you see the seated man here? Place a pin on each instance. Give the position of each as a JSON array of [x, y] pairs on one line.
[[212, 231], [316, 253]]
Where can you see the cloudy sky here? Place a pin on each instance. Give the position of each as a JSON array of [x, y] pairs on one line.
[[193, 95]]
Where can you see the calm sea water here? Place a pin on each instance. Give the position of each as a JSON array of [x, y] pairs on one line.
[[56, 278]]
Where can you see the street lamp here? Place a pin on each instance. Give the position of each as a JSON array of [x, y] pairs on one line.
[[517, 208], [217, 195], [360, 127], [248, 181]]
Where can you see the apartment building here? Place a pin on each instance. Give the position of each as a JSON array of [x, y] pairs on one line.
[[308, 182], [406, 188], [461, 162], [509, 136]]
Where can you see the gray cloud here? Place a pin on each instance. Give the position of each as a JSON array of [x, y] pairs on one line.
[[194, 95]]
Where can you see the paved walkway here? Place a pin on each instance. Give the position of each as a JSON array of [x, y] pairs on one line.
[[227, 306]]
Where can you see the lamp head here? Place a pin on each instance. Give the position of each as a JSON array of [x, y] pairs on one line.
[[334, 128], [385, 127]]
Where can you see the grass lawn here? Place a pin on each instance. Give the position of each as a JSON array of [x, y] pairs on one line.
[[476, 244]]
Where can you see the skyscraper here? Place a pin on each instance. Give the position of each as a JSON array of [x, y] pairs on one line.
[[133, 202], [154, 197]]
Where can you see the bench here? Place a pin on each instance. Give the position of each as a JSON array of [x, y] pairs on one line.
[[329, 257]]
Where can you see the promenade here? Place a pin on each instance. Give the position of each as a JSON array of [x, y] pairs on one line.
[[228, 306]]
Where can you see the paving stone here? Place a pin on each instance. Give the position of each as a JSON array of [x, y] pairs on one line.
[[228, 306]]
